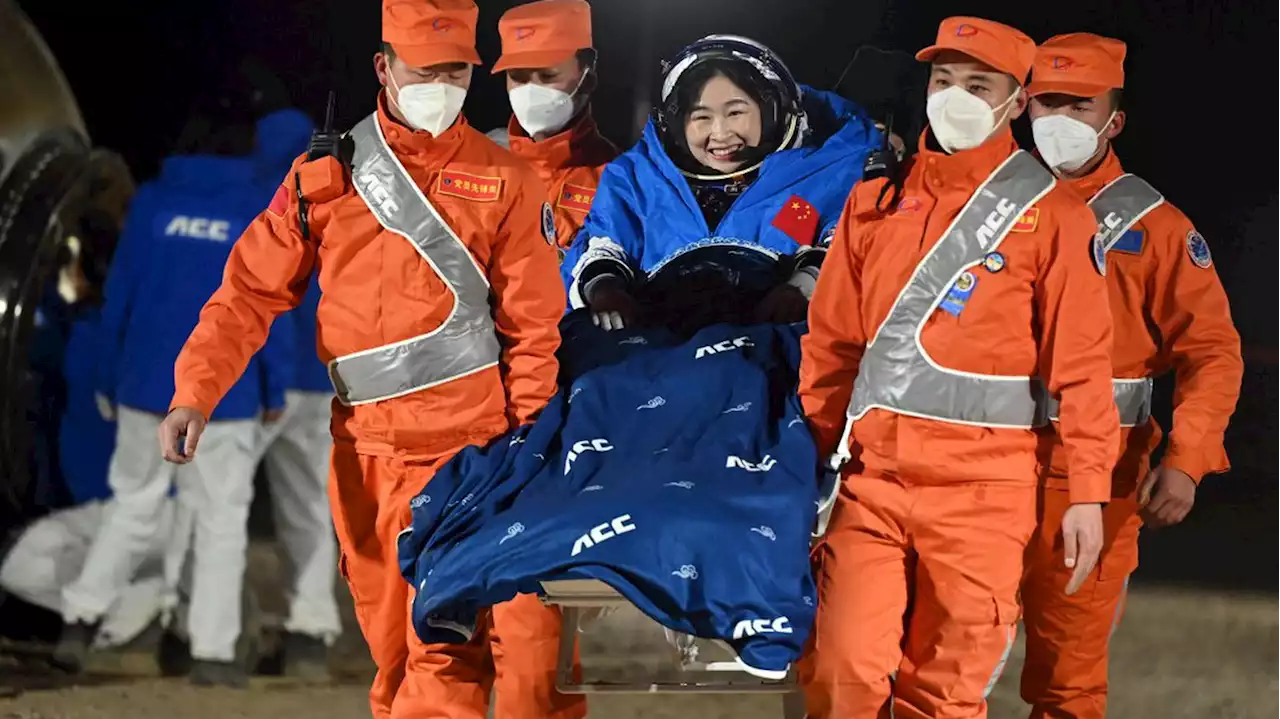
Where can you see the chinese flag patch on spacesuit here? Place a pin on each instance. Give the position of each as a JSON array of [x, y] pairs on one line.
[[1027, 222], [279, 201], [468, 186], [798, 219], [576, 197]]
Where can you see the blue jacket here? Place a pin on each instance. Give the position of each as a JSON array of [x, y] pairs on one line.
[[85, 440], [683, 475], [645, 213], [282, 136], [170, 258]]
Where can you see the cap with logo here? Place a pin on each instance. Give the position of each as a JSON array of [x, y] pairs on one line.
[[543, 34], [1080, 65], [1004, 48], [431, 32]]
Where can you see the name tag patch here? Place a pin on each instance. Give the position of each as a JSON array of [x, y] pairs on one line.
[[576, 197], [478, 188], [958, 296], [1027, 222]]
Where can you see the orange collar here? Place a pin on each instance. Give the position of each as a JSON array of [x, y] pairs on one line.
[[417, 144], [967, 168], [559, 151], [1088, 186]]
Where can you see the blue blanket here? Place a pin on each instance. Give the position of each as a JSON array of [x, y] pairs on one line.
[[680, 473]]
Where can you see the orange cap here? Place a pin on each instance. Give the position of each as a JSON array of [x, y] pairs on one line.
[[1080, 64], [544, 33], [431, 32], [1004, 48]]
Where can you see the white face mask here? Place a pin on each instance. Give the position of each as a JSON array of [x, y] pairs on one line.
[[430, 106], [961, 120], [1065, 143], [540, 109]]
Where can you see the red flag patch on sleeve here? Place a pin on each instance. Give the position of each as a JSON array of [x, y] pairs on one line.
[[469, 187], [1027, 222], [576, 197], [798, 219], [279, 201]]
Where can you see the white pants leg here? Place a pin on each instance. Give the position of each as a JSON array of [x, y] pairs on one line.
[[140, 480], [297, 464], [217, 487]]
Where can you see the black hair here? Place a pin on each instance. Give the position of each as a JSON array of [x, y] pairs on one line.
[[1117, 99], [688, 90], [389, 51]]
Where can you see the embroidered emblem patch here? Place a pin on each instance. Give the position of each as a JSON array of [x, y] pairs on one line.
[[1199, 250]]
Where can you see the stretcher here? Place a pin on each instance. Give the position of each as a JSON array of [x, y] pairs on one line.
[[580, 600]]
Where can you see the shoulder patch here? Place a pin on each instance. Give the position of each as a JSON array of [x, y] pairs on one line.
[[576, 197], [1198, 249], [1027, 221], [279, 201], [479, 188], [548, 224], [1099, 251]]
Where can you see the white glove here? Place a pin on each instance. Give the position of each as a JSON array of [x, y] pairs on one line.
[[105, 408], [611, 320]]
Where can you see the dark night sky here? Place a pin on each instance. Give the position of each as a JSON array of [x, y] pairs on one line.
[[1201, 75]]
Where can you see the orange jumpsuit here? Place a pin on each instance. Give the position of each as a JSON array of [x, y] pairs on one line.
[[918, 571], [570, 164], [1169, 314], [378, 290]]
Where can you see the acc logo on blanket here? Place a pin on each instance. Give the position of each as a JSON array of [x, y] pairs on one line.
[[586, 445], [468, 186], [603, 533], [765, 464], [727, 345], [752, 627]]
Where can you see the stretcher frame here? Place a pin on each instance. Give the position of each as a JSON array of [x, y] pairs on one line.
[[578, 598]]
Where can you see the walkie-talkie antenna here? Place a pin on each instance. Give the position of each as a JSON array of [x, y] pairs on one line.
[[328, 112]]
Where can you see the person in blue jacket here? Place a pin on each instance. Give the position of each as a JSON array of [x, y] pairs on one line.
[[296, 448], [181, 226], [722, 211]]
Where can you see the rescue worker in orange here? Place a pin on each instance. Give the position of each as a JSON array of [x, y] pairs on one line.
[[1170, 314], [943, 320], [551, 73], [440, 298]]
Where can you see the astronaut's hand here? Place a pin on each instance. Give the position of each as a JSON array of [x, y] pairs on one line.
[[612, 307], [1167, 496], [784, 304]]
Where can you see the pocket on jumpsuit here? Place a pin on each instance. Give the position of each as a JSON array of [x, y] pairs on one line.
[[345, 571], [1005, 616]]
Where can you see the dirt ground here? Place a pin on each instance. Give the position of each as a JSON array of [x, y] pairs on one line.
[[1179, 653]]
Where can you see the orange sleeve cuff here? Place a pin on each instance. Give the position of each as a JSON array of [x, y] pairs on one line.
[[1193, 463], [187, 399], [1090, 488]]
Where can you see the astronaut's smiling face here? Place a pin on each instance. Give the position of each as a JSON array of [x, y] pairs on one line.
[[725, 121]]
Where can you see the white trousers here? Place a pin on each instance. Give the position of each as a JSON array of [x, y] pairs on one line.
[[216, 488], [296, 451], [51, 553]]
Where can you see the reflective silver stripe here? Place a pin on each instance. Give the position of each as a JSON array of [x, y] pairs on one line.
[[1115, 617], [1132, 398], [896, 373], [1119, 206], [1012, 633], [466, 342]]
